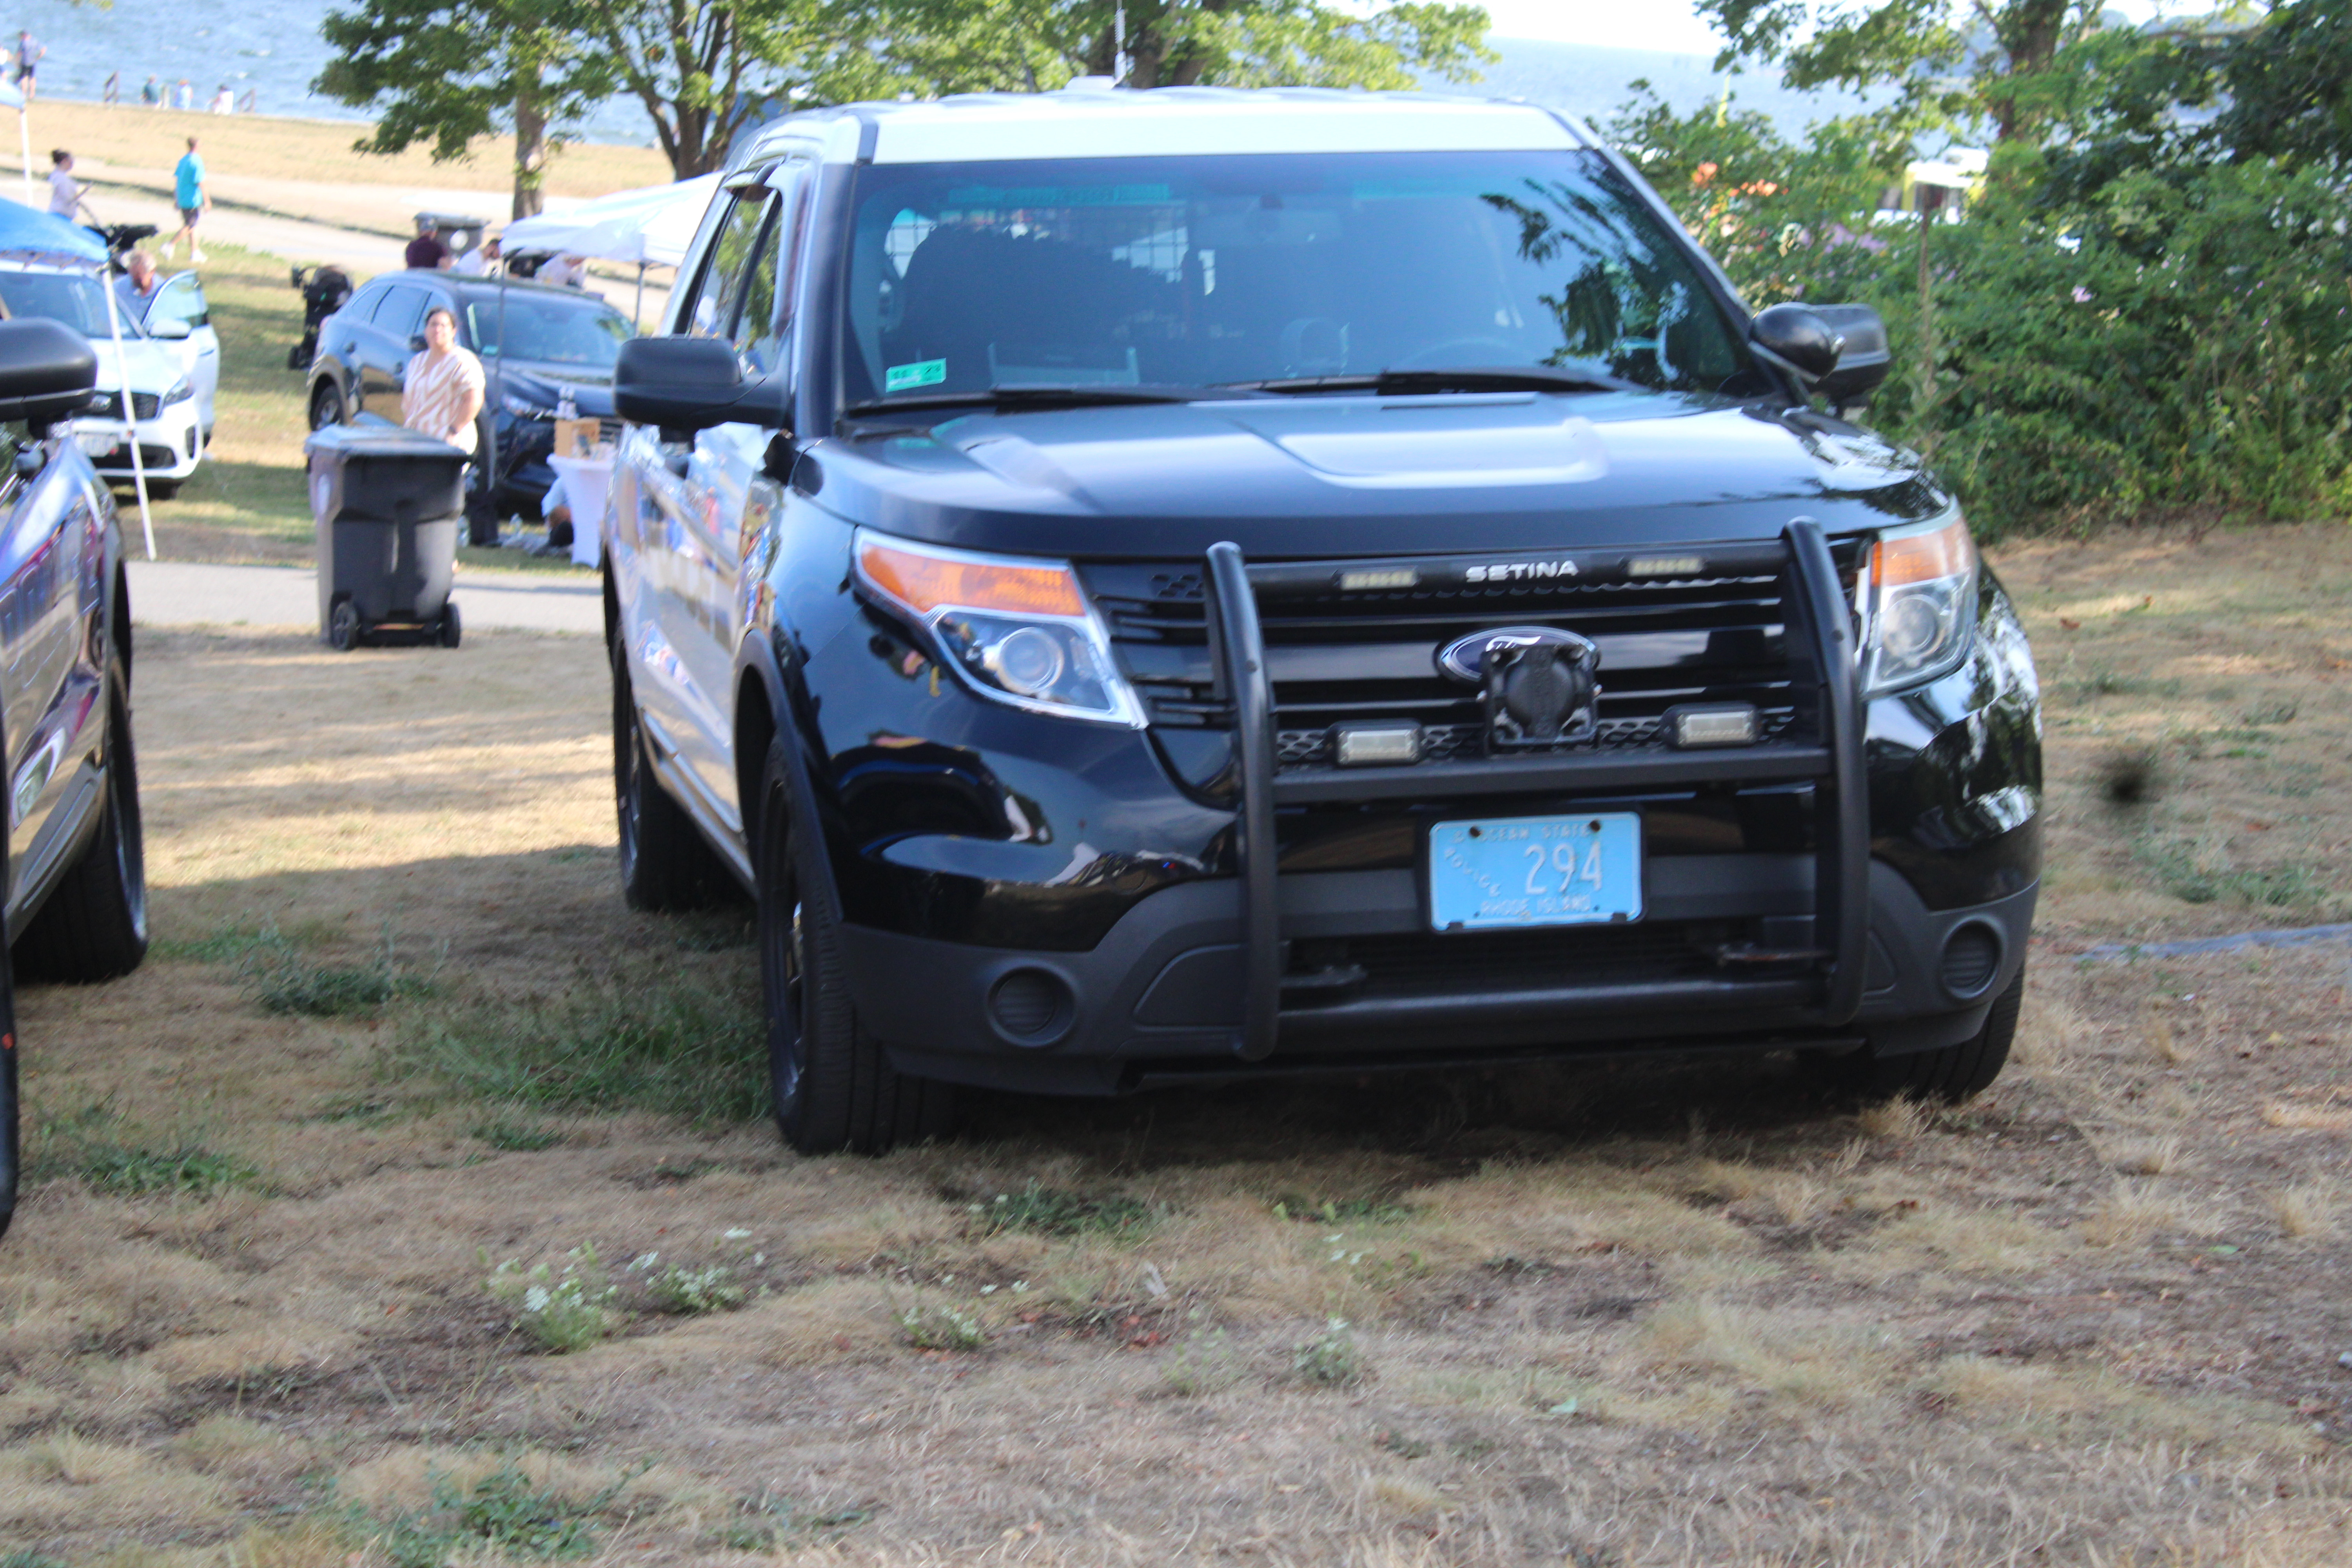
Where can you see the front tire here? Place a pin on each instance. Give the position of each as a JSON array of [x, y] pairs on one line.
[[834, 1088], [94, 926], [326, 406], [665, 864], [453, 629], [1950, 1075]]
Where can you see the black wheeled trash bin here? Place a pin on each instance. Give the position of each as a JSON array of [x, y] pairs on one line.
[[388, 503]]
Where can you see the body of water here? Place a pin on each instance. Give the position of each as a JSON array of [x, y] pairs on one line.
[[272, 48]]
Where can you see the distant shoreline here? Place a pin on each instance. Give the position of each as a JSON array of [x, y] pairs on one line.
[[357, 127]]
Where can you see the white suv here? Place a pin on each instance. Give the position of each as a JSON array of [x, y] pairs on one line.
[[165, 408]]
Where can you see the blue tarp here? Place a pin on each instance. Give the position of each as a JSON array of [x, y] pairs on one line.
[[26, 235]]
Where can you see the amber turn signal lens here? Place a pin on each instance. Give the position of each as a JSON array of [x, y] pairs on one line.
[[1923, 557], [923, 582]]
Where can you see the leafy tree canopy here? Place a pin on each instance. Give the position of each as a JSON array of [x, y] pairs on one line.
[[444, 72]]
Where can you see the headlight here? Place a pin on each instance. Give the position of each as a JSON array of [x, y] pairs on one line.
[[1018, 630], [180, 391], [1922, 603], [523, 408]]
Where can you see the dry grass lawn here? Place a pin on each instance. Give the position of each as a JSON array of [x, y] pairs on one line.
[[271, 147], [1640, 1315]]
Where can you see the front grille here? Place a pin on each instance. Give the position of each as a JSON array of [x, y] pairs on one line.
[[1517, 960], [1367, 656], [117, 458], [108, 405]]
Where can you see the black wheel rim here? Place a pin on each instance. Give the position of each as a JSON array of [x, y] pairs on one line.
[[324, 408], [783, 944]]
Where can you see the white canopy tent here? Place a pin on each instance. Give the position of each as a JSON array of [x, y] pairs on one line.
[[651, 227]]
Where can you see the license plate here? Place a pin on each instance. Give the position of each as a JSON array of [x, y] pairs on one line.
[[1518, 871]]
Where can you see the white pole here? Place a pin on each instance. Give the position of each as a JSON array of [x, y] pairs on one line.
[[637, 316], [130, 406]]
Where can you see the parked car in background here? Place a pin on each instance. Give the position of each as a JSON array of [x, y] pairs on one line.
[[1186, 586], [538, 345], [164, 410]]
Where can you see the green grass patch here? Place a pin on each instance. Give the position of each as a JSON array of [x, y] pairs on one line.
[[220, 947], [1056, 1211], [2196, 878], [513, 1137], [680, 1043], [284, 980], [504, 1514], [90, 1147], [1340, 1211], [770, 1524]]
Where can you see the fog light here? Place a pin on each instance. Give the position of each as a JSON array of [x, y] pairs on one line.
[[1376, 745], [1732, 724], [1031, 1006]]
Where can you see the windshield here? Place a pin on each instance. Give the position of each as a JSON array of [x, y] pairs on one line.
[[1212, 270], [585, 333], [74, 298]]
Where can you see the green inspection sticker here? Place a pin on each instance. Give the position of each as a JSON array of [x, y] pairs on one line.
[[922, 372]]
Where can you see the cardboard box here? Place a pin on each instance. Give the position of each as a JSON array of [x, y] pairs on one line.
[[577, 437]]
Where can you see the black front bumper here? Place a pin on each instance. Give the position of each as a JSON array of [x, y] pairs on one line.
[[1243, 975], [1160, 999]]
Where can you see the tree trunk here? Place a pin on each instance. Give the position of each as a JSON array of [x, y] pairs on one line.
[[530, 153]]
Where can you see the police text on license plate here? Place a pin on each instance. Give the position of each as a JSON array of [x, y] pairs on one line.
[[1518, 871]]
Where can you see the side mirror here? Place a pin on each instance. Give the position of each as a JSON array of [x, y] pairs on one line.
[[170, 330], [48, 372], [692, 384], [1799, 340], [1864, 362], [416, 342]]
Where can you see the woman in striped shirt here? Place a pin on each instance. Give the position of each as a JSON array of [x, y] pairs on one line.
[[441, 394]]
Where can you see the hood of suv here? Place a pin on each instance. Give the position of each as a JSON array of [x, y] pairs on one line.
[[152, 367], [1368, 475]]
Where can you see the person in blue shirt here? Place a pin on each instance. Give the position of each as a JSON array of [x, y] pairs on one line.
[[188, 174]]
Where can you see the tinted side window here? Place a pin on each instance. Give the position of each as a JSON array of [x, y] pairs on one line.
[[733, 251], [361, 306], [765, 326], [403, 311]]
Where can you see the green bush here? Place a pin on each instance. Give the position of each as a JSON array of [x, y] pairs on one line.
[[2135, 318]]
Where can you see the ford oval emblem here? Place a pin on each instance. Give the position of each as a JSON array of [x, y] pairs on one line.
[[1464, 658]]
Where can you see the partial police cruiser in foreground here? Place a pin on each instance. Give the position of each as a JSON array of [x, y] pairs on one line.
[[1177, 586]]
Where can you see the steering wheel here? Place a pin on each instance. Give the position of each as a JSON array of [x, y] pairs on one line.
[[1449, 354]]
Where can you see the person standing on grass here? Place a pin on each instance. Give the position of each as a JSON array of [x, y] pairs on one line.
[[65, 196], [188, 178], [151, 95], [441, 394], [28, 58], [425, 252]]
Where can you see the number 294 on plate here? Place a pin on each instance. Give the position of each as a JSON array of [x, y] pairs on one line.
[[1514, 872]]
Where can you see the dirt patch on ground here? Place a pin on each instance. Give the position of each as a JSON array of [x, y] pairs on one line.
[[1644, 1314]]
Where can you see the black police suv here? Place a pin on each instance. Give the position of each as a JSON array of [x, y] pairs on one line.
[[538, 346], [1163, 588]]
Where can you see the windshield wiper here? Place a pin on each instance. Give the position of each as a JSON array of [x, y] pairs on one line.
[[1042, 395], [1451, 378]]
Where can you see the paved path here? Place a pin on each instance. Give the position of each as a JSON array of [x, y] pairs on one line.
[[189, 594]]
